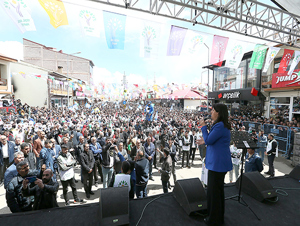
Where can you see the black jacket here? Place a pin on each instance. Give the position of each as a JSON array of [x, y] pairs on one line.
[[107, 153], [142, 171], [78, 150], [43, 198], [87, 161], [166, 168]]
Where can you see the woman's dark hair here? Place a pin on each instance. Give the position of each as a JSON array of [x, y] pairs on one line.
[[223, 114]]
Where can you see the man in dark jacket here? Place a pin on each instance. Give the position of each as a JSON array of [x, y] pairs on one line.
[[165, 169], [97, 151], [149, 153], [142, 175], [79, 148], [172, 149], [7, 150], [271, 152], [14, 198], [253, 161], [87, 162], [44, 191], [108, 160]]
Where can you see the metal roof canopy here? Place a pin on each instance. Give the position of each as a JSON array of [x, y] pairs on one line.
[[245, 17], [292, 6]]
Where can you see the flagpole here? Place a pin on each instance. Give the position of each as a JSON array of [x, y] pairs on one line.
[[207, 74], [68, 76]]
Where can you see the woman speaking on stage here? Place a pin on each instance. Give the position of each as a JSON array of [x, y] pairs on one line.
[[218, 162]]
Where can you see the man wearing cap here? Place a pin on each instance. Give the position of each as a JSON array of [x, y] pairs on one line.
[[66, 163], [271, 152]]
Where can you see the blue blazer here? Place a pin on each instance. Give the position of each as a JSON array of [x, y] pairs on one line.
[[11, 151], [218, 157]]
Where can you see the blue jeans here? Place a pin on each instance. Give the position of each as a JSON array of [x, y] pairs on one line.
[[141, 191], [261, 152], [107, 175]]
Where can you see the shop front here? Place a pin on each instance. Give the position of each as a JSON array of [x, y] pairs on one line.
[[284, 100], [239, 102]]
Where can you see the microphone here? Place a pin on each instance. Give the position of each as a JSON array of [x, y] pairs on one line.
[[206, 118]]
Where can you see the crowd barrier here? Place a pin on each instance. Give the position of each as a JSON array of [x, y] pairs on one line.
[[283, 134]]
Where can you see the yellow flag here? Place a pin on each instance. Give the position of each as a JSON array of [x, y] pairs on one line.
[[56, 11]]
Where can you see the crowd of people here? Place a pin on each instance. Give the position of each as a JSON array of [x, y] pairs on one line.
[[111, 143]]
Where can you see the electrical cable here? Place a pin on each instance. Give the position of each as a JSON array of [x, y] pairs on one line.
[[145, 209]]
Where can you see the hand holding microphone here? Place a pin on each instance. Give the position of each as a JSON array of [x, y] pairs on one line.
[[202, 121]]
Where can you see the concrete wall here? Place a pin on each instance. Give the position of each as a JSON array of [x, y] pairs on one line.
[[31, 90], [191, 104]]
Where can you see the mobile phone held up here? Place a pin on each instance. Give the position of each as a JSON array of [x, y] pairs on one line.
[[31, 179]]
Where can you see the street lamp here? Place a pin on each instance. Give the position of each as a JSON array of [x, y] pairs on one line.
[[207, 73], [68, 73]]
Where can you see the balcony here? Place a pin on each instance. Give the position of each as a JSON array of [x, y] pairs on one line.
[[60, 90]]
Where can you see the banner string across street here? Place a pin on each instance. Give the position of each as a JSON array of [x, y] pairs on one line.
[[182, 42]]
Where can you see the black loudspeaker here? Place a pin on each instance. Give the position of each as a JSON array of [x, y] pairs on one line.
[[190, 194], [257, 186], [114, 206], [295, 173]]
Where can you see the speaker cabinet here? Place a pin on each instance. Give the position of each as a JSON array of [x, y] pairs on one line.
[[114, 206], [295, 173], [257, 186], [190, 194]]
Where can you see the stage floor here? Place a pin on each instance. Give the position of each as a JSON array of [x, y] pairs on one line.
[[165, 210]]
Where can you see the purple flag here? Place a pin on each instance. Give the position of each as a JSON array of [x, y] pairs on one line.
[[176, 39]]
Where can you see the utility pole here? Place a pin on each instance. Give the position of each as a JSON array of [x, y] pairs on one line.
[[124, 81]]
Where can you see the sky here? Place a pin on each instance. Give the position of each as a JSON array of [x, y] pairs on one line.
[[110, 65]]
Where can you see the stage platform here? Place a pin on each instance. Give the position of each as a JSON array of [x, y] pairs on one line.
[[165, 210]]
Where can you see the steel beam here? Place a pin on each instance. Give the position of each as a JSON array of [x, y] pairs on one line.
[[245, 17]]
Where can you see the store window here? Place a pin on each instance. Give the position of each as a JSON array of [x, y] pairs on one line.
[[296, 105], [252, 76], [279, 107], [228, 78]]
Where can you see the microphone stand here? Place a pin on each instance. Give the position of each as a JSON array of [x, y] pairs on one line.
[[243, 141]]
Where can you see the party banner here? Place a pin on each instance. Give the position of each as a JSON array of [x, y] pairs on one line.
[[176, 40], [285, 61], [218, 50], [235, 54], [294, 62], [56, 11], [149, 39], [19, 12], [272, 52], [89, 22], [258, 56], [114, 25], [193, 43]]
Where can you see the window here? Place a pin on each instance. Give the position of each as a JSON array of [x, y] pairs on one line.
[[228, 78], [296, 105], [279, 107], [252, 76]]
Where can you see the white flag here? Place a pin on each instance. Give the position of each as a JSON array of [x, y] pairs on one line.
[[193, 43], [89, 21], [149, 39], [19, 12], [272, 52], [234, 53], [294, 62]]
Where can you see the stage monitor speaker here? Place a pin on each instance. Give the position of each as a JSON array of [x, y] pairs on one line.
[[190, 194], [295, 173], [114, 206], [257, 186]]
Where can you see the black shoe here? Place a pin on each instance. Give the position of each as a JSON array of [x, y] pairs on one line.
[[271, 176], [92, 193], [88, 195], [151, 178], [67, 203], [288, 158], [96, 184], [169, 187], [76, 181], [267, 173], [79, 201]]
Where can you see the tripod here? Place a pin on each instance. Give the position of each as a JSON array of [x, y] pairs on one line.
[[243, 141]]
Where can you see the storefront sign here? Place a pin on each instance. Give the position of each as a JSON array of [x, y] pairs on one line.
[[285, 80], [234, 95]]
